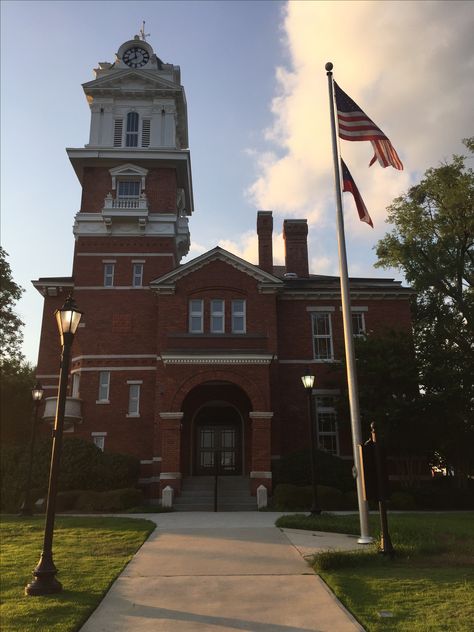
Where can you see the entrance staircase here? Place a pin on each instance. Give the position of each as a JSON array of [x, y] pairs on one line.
[[197, 494]]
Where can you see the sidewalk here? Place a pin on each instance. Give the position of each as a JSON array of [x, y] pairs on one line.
[[221, 572]]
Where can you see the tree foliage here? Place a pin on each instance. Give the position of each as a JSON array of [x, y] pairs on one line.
[[432, 242], [11, 336]]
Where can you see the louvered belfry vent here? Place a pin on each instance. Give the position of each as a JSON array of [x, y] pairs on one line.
[[118, 128], [146, 132]]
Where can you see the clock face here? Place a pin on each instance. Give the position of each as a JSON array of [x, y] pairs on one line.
[[136, 57]]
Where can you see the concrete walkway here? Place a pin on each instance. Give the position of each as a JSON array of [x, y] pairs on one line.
[[219, 572]]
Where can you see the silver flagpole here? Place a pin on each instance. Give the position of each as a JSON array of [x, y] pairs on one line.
[[346, 315]]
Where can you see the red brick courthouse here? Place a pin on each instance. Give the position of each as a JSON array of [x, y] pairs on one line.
[[173, 360]]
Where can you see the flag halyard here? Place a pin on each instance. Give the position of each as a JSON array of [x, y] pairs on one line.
[[355, 125]]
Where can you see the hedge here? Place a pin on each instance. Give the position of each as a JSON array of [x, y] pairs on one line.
[[331, 471], [83, 466]]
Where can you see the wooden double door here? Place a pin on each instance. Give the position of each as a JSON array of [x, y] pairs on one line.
[[218, 443]]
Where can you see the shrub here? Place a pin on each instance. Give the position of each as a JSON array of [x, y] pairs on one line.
[[293, 498], [295, 468], [83, 466], [65, 501], [402, 501]]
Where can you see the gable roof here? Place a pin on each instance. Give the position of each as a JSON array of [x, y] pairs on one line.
[[168, 280], [120, 80]]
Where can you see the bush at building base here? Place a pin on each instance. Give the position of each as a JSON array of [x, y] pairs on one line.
[[83, 467]]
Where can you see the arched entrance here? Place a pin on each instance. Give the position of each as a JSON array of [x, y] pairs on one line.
[[216, 430], [218, 435]]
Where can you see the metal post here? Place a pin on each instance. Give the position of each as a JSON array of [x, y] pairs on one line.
[[45, 581], [386, 546], [216, 472], [347, 319]]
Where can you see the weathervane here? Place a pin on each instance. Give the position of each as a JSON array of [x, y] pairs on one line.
[[143, 35]]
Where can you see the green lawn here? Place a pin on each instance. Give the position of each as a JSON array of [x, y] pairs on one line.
[[89, 553], [428, 587]]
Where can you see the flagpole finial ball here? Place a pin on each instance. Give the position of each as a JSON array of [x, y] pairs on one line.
[[329, 66]]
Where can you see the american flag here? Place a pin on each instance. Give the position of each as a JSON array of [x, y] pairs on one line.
[[349, 186], [354, 124]]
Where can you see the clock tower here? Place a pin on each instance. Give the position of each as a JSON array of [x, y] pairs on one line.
[[131, 228]]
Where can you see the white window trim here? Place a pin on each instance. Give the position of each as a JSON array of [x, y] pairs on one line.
[[110, 276], [326, 409], [76, 384], [195, 314], [362, 315], [242, 314], [315, 336], [134, 264], [106, 400], [217, 314], [138, 384]]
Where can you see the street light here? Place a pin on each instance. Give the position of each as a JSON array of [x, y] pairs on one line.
[[37, 396], [45, 582], [308, 383]]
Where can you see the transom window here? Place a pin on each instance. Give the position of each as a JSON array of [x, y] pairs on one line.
[[217, 316], [322, 336], [131, 135], [328, 438]]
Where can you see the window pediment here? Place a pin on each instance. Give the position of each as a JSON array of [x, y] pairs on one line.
[[128, 171]]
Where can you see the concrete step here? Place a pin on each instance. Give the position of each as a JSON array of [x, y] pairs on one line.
[[198, 494]]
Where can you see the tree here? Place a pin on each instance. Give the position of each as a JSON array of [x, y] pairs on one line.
[[389, 395], [11, 336], [432, 242], [16, 374]]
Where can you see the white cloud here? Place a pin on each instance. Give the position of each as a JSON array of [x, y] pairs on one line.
[[409, 65]]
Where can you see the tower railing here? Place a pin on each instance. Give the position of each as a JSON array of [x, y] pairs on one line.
[[140, 203]]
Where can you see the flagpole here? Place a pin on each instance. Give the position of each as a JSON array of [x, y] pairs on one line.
[[347, 319]]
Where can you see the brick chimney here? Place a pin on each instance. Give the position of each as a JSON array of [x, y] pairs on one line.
[[295, 234], [265, 243]]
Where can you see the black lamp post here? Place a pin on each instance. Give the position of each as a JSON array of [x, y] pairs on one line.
[[45, 582], [37, 396], [308, 382]]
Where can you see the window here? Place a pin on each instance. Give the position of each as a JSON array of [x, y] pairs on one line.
[[128, 189], [196, 316], [108, 274], [134, 400], [238, 316], [327, 424], [99, 441], [137, 277], [76, 377], [131, 136], [217, 316], [104, 386], [322, 336], [358, 324]]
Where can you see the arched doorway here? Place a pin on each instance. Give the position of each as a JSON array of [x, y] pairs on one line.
[[216, 430], [218, 435]]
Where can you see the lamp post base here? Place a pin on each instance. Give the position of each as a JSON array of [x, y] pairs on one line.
[[44, 582], [43, 586], [315, 511]]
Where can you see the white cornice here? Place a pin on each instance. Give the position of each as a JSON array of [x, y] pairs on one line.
[[217, 358]]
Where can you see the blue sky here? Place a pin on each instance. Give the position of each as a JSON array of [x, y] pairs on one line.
[[258, 115]]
